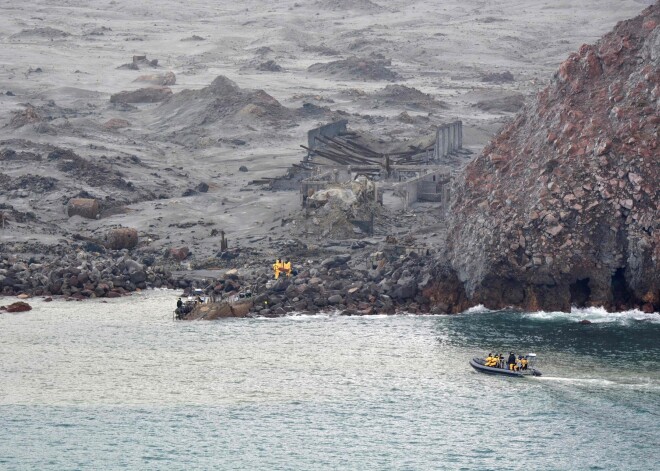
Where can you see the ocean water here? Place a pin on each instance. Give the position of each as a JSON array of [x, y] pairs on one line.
[[120, 385]]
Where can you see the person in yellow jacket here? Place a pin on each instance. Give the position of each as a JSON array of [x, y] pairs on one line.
[[287, 268], [276, 268], [490, 360], [523, 363]]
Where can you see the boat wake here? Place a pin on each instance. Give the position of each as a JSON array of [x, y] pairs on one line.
[[640, 384]]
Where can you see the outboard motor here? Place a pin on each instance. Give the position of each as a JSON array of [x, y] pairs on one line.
[[531, 362]]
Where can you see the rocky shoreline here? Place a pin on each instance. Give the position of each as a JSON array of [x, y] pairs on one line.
[[385, 278], [366, 281]]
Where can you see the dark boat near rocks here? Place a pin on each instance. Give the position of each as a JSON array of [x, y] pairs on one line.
[[479, 365]]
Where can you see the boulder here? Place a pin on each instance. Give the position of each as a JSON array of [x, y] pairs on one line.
[[179, 253], [336, 261], [211, 311], [121, 238], [19, 306], [86, 207]]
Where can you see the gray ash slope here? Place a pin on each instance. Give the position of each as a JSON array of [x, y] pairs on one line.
[[139, 159]]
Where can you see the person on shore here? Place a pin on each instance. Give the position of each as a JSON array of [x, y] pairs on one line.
[[511, 361], [277, 266]]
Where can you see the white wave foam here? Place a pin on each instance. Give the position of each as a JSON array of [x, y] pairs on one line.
[[480, 309], [597, 315]]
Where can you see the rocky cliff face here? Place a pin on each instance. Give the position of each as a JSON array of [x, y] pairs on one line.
[[561, 208]]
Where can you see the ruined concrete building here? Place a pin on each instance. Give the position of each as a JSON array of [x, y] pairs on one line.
[[335, 157]]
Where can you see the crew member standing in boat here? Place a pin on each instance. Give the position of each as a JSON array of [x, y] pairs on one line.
[[511, 361], [179, 303]]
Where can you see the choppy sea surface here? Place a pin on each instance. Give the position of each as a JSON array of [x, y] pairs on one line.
[[120, 385]]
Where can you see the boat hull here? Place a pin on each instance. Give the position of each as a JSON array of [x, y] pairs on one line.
[[477, 364]]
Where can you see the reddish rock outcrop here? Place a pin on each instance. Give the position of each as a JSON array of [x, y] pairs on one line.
[[19, 306], [561, 208]]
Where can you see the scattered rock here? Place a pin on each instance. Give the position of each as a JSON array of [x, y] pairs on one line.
[[116, 123], [41, 33], [194, 37], [506, 104], [165, 79], [269, 66], [498, 77], [29, 115], [355, 68], [142, 95]]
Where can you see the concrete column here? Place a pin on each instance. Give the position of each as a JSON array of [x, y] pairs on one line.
[[448, 134], [439, 144], [460, 134], [436, 150], [454, 140], [445, 130]]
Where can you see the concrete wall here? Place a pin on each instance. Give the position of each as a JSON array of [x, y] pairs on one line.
[[433, 186], [329, 130]]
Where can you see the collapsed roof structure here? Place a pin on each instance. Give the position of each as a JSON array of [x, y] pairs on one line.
[[421, 173]]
